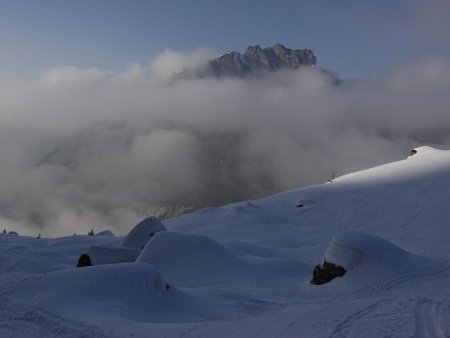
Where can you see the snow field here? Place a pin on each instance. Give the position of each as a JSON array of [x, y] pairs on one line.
[[243, 270]]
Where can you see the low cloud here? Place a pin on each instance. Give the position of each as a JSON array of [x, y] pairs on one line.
[[73, 76], [94, 148], [169, 63]]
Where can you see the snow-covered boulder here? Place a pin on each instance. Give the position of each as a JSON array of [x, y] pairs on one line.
[[371, 260], [142, 232], [350, 249], [344, 252], [110, 255], [188, 259]]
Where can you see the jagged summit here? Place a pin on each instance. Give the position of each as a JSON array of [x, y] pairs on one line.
[[278, 56], [257, 60]]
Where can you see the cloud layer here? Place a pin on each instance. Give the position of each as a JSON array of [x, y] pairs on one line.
[[82, 148]]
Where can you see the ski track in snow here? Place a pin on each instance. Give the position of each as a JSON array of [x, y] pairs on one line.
[[343, 329], [423, 275], [32, 321], [428, 319]]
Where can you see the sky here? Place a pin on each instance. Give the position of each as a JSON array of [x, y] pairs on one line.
[[95, 132], [351, 38]]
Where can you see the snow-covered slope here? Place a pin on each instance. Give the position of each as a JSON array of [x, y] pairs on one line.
[[244, 270]]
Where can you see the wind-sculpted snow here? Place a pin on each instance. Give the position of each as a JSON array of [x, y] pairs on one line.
[[110, 255], [350, 249], [372, 261], [25, 255], [244, 269], [187, 259], [142, 232], [135, 289], [105, 233], [424, 150]]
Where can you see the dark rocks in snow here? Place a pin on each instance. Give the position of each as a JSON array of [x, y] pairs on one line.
[[84, 260], [422, 150], [303, 203], [327, 272]]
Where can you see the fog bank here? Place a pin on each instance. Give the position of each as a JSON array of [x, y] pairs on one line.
[[83, 148]]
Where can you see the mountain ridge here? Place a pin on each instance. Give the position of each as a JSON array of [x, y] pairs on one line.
[[255, 61]]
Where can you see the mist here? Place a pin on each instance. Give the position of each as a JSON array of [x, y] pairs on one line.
[[98, 148]]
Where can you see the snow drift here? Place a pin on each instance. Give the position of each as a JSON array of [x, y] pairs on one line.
[[372, 261], [188, 259], [424, 150], [105, 233], [244, 269], [137, 289], [130, 247], [142, 232]]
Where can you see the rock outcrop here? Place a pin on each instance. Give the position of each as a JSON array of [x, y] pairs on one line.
[[257, 60], [84, 260], [326, 273]]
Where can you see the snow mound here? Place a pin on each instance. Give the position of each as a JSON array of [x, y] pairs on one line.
[[105, 233], [99, 282], [110, 255], [142, 232], [135, 289], [188, 259], [371, 260], [424, 150], [349, 248]]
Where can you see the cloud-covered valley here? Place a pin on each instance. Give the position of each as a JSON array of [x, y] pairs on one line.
[[96, 148]]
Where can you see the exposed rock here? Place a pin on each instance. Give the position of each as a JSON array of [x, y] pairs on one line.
[[84, 260], [231, 64], [327, 272], [257, 60], [412, 152]]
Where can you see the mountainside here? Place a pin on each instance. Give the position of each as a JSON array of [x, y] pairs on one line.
[[403, 201], [244, 269]]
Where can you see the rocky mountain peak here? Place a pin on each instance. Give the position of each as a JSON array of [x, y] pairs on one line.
[[257, 60]]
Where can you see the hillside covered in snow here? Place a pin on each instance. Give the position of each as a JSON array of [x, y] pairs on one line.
[[245, 269]]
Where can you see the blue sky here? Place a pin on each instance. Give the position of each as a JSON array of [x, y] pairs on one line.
[[352, 38]]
